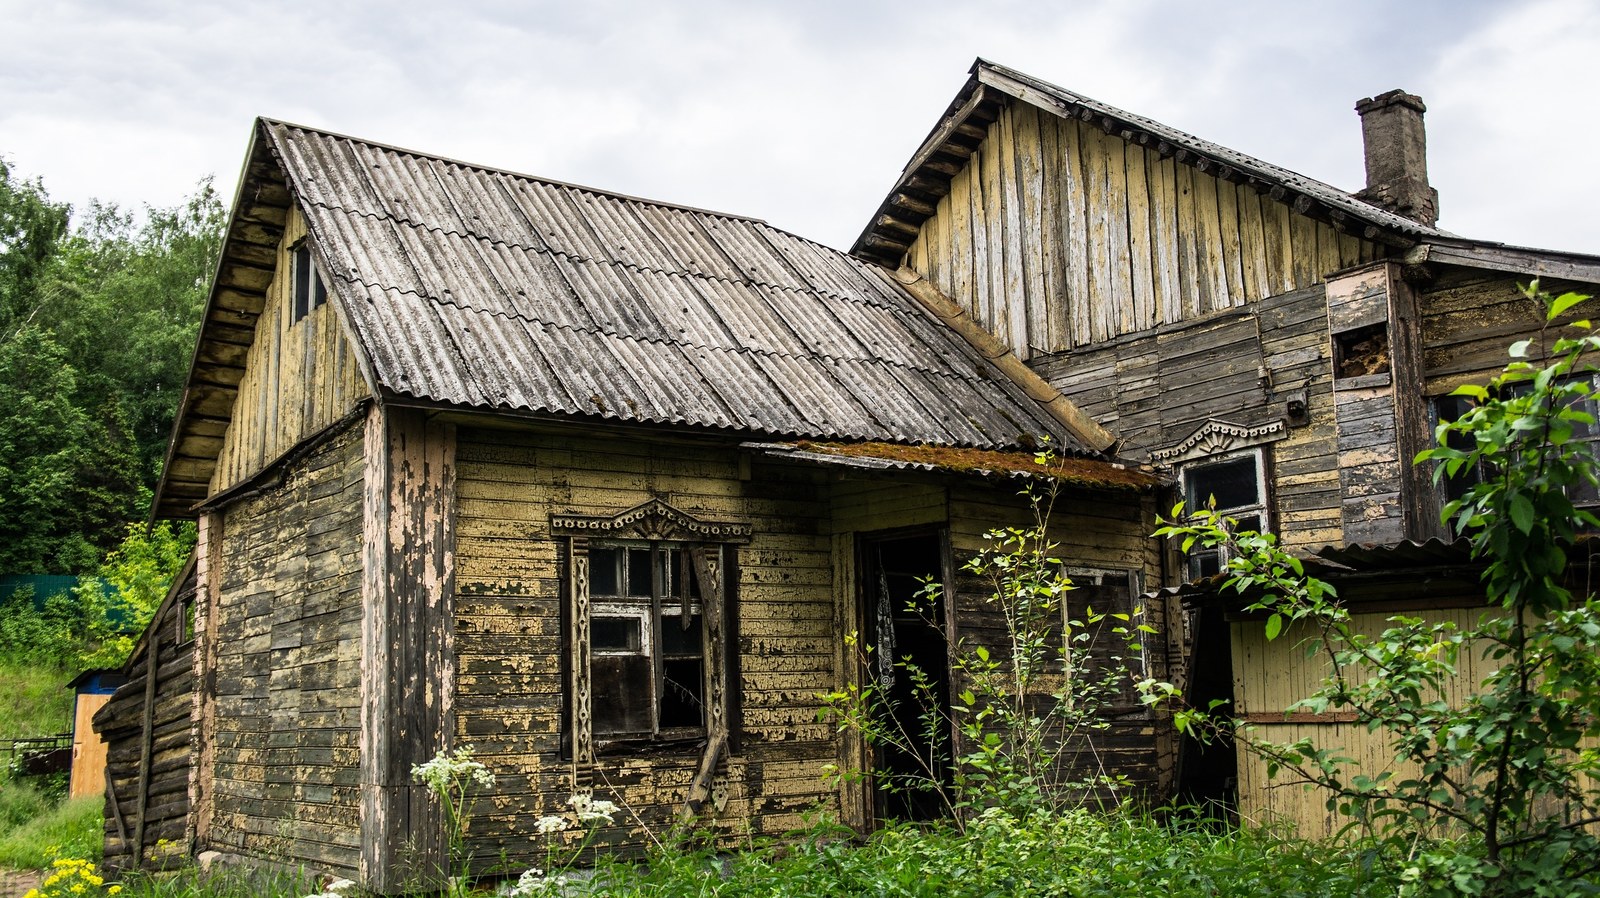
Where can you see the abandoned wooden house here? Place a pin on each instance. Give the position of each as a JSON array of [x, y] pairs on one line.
[[1261, 338], [593, 484], [598, 485]]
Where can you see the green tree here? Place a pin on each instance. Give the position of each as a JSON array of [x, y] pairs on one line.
[[55, 463], [31, 228], [132, 297], [97, 324]]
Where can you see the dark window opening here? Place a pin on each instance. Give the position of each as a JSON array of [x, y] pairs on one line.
[[1362, 351], [1447, 409], [308, 291], [1236, 488], [647, 640], [186, 620]]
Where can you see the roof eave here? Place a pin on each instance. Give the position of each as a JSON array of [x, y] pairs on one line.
[[238, 293]]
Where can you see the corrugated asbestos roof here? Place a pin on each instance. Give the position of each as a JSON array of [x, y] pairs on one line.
[[926, 177], [468, 287], [478, 288]]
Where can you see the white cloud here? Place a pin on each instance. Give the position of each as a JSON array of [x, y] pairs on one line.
[[798, 113]]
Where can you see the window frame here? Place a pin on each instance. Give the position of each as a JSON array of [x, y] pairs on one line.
[[1261, 508], [1450, 488], [653, 612], [307, 289]]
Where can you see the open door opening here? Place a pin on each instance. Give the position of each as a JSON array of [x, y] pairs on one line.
[[910, 663], [1208, 772]]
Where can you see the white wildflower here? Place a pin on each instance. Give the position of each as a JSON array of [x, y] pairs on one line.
[[591, 810], [550, 824], [447, 769], [535, 884]]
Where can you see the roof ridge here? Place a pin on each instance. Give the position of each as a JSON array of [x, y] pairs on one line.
[[510, 173]]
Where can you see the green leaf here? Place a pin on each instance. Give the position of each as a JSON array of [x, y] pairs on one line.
[[1522, 513], [1274, 626], [1564, 302]]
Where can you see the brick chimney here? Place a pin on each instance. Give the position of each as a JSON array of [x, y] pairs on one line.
[[1397, 156]]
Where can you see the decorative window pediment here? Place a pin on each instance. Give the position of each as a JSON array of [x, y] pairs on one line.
[[1216, 437], [653, 520]]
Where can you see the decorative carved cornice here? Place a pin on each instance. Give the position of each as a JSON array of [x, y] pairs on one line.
[[654, 520], [1215, 437]]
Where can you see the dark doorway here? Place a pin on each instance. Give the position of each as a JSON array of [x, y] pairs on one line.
[[1208, 772], [906, 631]]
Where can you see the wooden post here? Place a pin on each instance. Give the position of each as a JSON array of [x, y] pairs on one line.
[[407, 663], [147, 737]]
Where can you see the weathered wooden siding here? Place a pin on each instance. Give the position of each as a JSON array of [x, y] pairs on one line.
[[407, 666], [509, 640], [1270, 676], [300, 377], [1094, 531], [146, 728], [1241, 366], [1470, 319], [1057, 235], [287, 657]]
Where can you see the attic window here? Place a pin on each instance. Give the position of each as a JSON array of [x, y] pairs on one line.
[[308, 291]]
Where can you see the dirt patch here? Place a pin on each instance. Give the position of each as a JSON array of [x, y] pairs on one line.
[[16, 883]]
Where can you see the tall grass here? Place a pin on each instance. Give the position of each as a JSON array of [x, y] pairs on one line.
[[1074, 853], [34, 700], [71, 829], [220, 882]]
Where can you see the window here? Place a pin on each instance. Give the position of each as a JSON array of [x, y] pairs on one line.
[[1236, 486], [1450, 408], [650, 633], [307, 290], [647, 642], [1109, 593], [186, 608]]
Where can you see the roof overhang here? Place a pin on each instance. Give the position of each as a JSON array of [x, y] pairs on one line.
[[987, 463], [244, 272], [1534, 263]]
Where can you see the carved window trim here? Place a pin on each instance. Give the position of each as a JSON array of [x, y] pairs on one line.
[[710, 548], [1216, 438]]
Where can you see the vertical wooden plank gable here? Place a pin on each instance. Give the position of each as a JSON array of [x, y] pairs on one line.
[[300, 377]]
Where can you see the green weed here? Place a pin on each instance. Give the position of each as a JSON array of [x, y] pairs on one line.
[[72, 829], [36, 700]]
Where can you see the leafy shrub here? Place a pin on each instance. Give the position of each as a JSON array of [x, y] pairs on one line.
[[1026, 706], [73, 878], [95, 626]]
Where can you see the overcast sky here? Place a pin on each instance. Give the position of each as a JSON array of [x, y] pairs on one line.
[[801, 113]]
